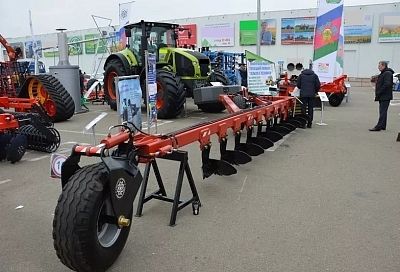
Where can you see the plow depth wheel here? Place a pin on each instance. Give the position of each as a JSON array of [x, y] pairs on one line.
[[113, 69], [85, 232], [51, 94]]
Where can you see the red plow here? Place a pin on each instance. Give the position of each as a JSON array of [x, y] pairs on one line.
[[94, 211]]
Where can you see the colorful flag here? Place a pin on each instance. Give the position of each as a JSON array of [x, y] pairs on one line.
[[327, 38]]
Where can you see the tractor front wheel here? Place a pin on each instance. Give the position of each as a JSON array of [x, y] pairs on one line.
[[114, 68], [85, 231], [171, 96]]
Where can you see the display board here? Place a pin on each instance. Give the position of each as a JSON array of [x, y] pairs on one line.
[[261, 74], [215, 35], [183, 35], [248, 32], [118, 40], [297, 30], [358, 27], [389, 27], [30, 47]]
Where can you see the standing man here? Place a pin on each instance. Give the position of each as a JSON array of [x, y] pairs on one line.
[[308, 83], [383, 94]]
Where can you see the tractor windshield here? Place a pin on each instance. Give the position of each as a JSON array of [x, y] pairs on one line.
[[158, 37]]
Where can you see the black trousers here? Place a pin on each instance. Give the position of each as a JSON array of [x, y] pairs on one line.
[[308, 106], [383, 109]]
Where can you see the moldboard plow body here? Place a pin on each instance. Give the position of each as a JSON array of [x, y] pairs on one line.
[[94, 211]]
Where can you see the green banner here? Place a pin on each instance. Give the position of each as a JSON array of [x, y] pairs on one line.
[[76, 47], [248, 32], [90, 46]]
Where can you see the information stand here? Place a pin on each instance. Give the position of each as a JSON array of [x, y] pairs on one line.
[[92, 125], [324, 98]]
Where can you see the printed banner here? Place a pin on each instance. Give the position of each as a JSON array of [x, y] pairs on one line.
[[261, 74], [389, 27], [50, 54], [214, 35], [130, 101], [327, 38], [91, 46], [152, 88], [125, 13], [118, 40], [297, 30], [184, 38], [75, 45], [359, 33], [249, 30], [30, 47]]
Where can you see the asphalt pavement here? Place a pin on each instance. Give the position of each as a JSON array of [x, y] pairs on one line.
[[325, 199]]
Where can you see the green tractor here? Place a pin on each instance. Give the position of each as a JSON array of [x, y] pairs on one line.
[[179, 70]]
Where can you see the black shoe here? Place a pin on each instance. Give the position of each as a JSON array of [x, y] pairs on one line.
[[309, 125], [374, 129]]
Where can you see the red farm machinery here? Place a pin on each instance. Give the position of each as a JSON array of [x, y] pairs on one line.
[[94, 211], [17, 82], [335, 90]]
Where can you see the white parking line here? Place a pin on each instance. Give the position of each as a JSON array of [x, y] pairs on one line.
[[4, 181]]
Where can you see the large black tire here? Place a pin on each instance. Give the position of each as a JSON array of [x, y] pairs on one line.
[[335, 99], [215, 107], [82, 241], [239, 101], [112, 69], [64, 104], [171, 96]]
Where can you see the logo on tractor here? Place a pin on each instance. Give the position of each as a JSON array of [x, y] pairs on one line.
[[120, 188]]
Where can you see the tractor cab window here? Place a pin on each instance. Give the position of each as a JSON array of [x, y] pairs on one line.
[[157, 37]]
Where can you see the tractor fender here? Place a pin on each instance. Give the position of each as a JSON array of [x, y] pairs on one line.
[[126, 57]]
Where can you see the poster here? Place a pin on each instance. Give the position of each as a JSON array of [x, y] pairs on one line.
[[130, 101], [248, 32], [30, 47], [91, 46], [118, 40], [152, 90], [359, 31], [75, 45], [184, 39], [261, 74], [297, 30], [215, 35], [389, 27]]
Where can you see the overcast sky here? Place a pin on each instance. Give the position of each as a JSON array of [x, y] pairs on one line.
[[47, 15]]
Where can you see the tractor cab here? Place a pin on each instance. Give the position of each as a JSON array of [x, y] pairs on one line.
[[153, 37]]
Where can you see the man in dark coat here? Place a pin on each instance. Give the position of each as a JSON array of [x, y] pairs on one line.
[[308, 83], [383, 94]]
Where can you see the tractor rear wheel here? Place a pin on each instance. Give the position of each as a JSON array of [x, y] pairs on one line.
[[86, 236], [114, 68], [215, 107], [335, 99], [51, 94], [171, 96]]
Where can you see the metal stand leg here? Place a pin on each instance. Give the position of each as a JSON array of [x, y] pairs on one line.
[[160, 194]]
